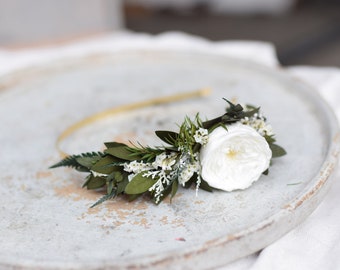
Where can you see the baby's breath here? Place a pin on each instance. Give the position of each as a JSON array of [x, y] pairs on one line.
[[137, 166], [201, 136], [258, 122], [187, 168], [164, 180]]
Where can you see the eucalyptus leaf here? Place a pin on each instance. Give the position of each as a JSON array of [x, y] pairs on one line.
[[139, 184], [121, 186], [88, 162], [121, 152], [118, 176], [114, 144], [106, 165], [87, 179], [277, 151], [96, 182], [270, 139], [133, 197], [174, 188]]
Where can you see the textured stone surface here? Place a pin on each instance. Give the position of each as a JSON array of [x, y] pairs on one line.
[[46, 220]]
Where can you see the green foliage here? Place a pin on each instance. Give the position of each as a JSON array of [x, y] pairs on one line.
[[113, 144], [144, 153], [205, 186], [106, 197], [80, 162], [106, 170], [174, 188], [121, 152], [277, 151], [186, 141], [234, 113], [95, 182], [132, 197], [168, 137], [121, 185], [107, 165], [139, 184]]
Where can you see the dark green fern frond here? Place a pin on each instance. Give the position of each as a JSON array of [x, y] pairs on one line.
[[105, 198], [73, 161]]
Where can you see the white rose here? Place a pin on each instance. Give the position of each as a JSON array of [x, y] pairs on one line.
[[234, 158]]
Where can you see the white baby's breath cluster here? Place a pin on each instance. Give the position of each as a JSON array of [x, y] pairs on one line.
[[161, 169], [164, 161], [166, 168], [201, 136], [170, 167], [258, 122], [136, 167], [164, 179], [188, 166]]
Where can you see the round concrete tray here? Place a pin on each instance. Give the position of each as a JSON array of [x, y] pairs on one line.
[[45, 217]]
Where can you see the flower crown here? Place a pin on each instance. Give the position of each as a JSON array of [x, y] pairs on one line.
[[228, 153]]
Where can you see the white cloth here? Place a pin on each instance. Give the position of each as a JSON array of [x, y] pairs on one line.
[[260, 52], [314, 244]]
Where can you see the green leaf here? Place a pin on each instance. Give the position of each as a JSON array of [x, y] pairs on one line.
[[213, 122], [121, 186], [109, 186], [106, 165], [277, 151], [95, 182], [167, 136], [139, 184], [251, 113], [118, 176], [114, 144], [121, 152], [87, 179], [205, 186], [82, 169], [88, 162], [174, 189], [270, 139]]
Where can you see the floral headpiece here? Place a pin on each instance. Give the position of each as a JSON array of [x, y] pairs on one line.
[[228, 153]]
